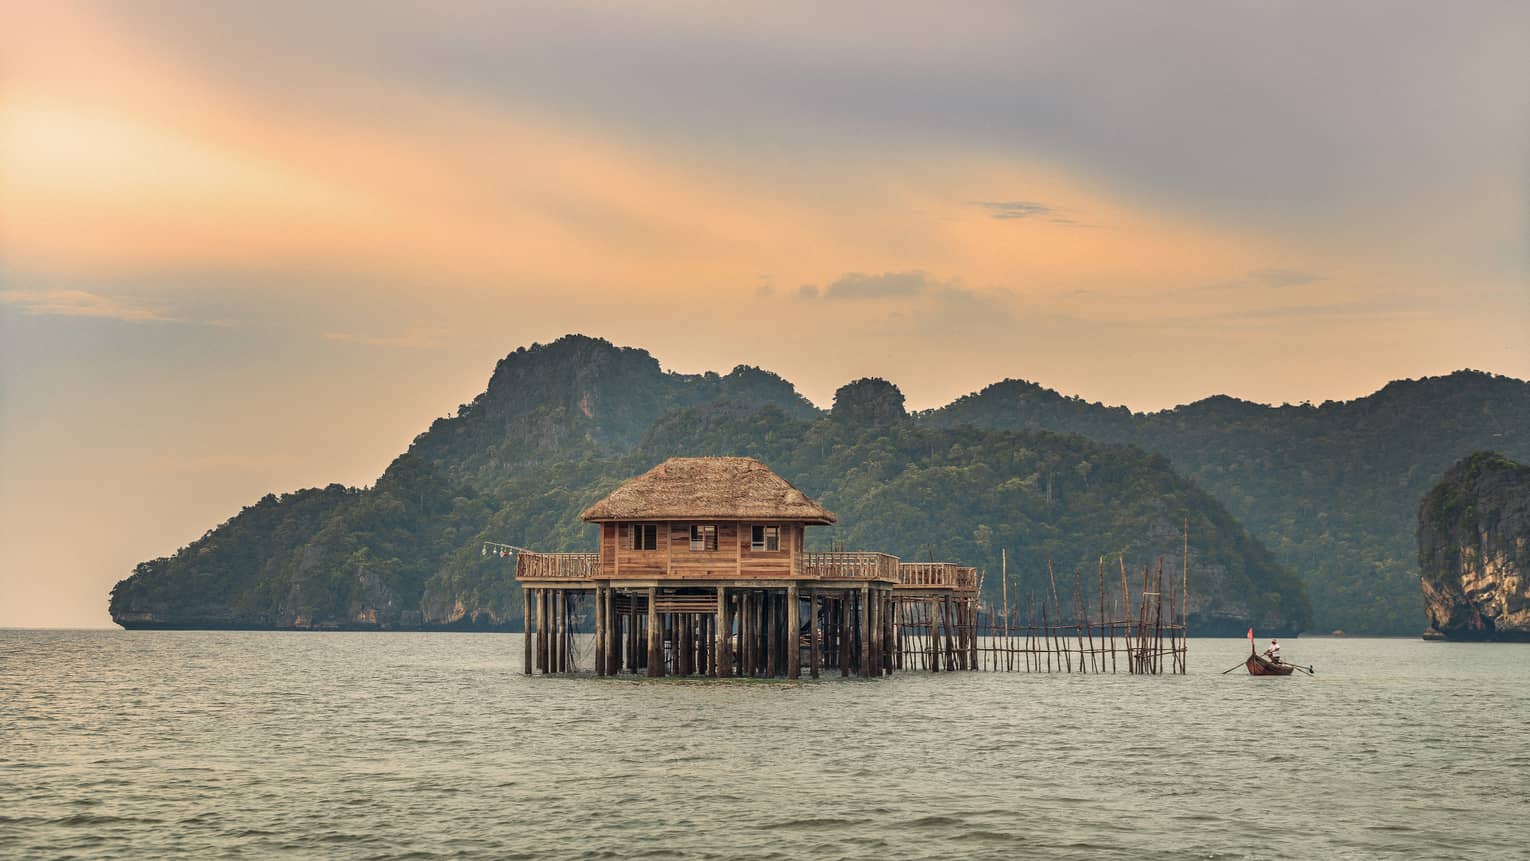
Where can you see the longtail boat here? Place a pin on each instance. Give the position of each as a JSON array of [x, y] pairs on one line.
[[1262, 666]]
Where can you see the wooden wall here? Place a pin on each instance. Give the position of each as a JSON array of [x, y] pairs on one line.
[[674, 558]]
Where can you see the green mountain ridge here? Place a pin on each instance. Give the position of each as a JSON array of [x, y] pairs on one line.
[[561, 424], [1331, 489]]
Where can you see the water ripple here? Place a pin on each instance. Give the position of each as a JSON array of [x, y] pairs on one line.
[[369, 746]]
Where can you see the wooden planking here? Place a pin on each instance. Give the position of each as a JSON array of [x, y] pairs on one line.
[[673, 559]]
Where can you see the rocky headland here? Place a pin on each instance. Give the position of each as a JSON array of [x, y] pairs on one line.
[[1474, 551]]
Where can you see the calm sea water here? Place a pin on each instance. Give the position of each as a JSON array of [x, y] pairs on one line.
[[354, 745]]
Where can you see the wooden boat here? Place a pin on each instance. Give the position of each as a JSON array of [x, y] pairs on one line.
[[1262, 666]]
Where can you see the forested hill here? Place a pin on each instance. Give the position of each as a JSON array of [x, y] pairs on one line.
[[1331, 489], [562, 424]]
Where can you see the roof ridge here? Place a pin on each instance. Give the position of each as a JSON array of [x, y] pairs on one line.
[[723, 487]]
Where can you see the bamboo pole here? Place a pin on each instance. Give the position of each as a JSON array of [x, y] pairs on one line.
[[1009, 663], [1081, 618], [1184, 603], [1126, 630], [1057, 606], [1142, 616], [1103, 622], [1156, 619]]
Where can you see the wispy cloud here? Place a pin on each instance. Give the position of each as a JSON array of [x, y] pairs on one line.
[[81, 303], [410, 339], [859, 285], [1274, 276], [1009, 209]]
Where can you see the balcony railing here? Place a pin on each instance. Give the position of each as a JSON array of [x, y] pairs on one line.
[[966, 578], [855, 565], [556, 566], [936, 574]]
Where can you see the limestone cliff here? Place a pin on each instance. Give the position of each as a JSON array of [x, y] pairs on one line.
[[1474, 550], [561, 425]]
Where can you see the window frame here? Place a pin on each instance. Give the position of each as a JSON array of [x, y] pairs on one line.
[[638, 535], [769, 533], [703, 538]]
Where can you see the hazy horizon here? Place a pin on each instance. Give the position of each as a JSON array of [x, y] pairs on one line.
[[253, 248], [14, 579]]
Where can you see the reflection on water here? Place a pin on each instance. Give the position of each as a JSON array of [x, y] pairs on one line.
[[354, 745]]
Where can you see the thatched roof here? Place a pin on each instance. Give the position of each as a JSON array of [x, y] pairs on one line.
[[708, 488]]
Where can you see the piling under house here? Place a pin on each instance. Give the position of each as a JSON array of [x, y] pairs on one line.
[[703, 571]]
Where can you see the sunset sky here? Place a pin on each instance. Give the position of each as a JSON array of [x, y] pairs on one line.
[[250, 248]]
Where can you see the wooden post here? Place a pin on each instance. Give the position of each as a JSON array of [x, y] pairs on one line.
[[968, 630], [1158, 622], [949, 622], [600, 641], [612, 630], [880, 636], [1184, 604], [772, 634], [655, 647], [793, 626], [813, 632], [935, 633], [563, 642], [745, 633], [1009, 663], [682, 627], [555, 629], [886, 647], [613, 635], [526, 625], [1081, 620], [1126, 628], [634, 656], [1062, 644], [863, 620], [541, 630], [720, 650], [843, 636]]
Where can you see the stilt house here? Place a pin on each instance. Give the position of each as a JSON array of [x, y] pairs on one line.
[[703, 570]]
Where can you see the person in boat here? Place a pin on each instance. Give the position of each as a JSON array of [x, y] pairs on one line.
[[1273, 652]]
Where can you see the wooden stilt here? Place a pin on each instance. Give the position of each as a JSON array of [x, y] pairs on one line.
[[813, 647], [613, 635], [655, 657], [634, 654], [526, 626], [972, 632], [542, 630], [772, 634], [720, 667], [793, 633], [555, 630]]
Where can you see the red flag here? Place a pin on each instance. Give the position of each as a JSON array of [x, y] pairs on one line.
[[1251, 635]]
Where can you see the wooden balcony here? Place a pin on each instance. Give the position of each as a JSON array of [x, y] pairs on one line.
[[556, 566], [855, 565], [937, 575], [966, 579]]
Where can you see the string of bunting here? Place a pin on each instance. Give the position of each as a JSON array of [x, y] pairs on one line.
[[503, 551]]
